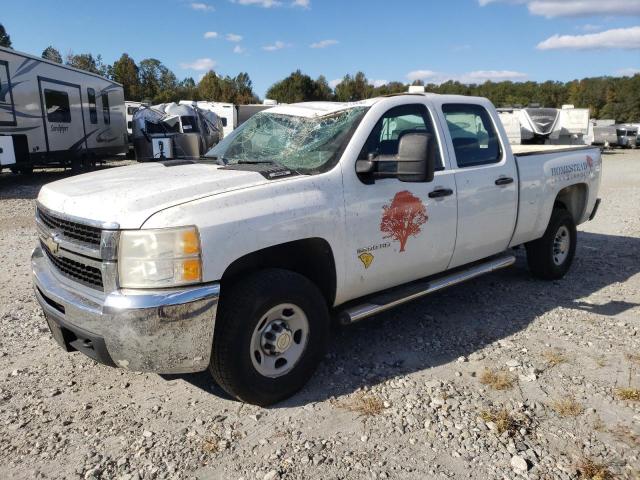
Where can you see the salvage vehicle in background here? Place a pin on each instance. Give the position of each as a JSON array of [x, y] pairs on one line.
[[236, 262], [53, 114]]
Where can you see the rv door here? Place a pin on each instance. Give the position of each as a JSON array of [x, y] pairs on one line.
[[62, 116]]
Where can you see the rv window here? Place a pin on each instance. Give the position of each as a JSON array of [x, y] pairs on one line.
[[131, 110], [57, 105], [93, 113], [105, 109], [224, 121], [189, 124]]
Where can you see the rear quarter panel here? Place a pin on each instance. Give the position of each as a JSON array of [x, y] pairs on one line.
[[542, 176]]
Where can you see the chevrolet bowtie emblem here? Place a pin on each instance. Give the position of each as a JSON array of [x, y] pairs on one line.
[[52, 243]]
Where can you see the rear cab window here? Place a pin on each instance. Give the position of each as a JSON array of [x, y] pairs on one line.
[[473, 134]]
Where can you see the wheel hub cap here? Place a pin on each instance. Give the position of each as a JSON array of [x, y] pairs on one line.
[[561, 244], [279, 340], [276, 338]]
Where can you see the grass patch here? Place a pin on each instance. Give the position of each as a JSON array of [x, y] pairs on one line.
[[497, 379], [591, 470], [633, 358], [632, 394], [363, 405], [554, 357], [504, 420], [210, 445], [567, 407]]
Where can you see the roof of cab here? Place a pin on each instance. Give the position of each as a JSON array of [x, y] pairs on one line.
[[321, 109]]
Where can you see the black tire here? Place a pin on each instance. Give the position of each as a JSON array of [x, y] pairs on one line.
[[543, 259], [242, 307]]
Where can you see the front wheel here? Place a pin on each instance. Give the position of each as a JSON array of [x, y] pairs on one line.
[[550, 257], [271, 332]]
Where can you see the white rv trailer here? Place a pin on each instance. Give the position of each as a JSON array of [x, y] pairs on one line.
[[510, 118], [131, 108], [52, 114]]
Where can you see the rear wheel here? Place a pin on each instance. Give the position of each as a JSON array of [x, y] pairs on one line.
[[271, 332], [551, 256]]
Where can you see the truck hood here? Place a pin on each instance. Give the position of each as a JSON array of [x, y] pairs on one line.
[[130, 195]]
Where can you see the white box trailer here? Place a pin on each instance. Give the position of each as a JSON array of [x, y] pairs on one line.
[[57, 115]]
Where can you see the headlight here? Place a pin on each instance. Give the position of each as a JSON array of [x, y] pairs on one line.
[[159, 258]]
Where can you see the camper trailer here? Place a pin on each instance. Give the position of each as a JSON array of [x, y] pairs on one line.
[[510, 118], [627, 136], [175, 131], [574, 126], [52, 114]]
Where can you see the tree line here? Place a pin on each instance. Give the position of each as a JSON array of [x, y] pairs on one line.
[[149, 80]]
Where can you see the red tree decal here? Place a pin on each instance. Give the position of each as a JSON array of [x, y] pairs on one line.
[[403, 218]]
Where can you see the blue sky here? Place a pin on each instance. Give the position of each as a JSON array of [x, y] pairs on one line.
[[469, 40]]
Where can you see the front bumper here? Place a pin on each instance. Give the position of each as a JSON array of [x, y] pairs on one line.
[[164, 331]]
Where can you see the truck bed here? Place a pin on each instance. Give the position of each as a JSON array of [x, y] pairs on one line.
[[524, 150]]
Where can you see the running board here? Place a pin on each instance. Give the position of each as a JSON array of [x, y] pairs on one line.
[[390, 299]]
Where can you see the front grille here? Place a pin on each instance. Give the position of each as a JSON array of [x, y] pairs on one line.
[[73, 230], [85, 274]]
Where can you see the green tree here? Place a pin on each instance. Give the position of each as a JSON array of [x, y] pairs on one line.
[[355, 88], [297, 87], [51, 54], [89, 63], [125, 71], [5, 39]]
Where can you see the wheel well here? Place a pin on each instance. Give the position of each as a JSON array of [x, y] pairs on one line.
[[573, 199], [311, 257]]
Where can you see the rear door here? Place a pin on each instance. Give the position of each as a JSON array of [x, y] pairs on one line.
[[486, 179], [62, 116]]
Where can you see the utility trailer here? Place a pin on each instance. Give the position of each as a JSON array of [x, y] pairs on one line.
[[53, 114]]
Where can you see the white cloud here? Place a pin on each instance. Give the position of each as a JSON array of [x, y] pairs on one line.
[[278, 45], [477, 76], [210, 34], [421, 75], [301, 3], [324, 43], [260, 3], [628, 72], [201, 7], [233, 37], [335, 83], [378, 83], [199, 64], [238, 49], [623, 38], [575, 8]]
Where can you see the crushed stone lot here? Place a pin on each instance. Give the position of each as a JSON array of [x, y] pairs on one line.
[[501, 377]]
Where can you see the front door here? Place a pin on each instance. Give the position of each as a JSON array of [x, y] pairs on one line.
[[62, 116], [487, 184], [398, 231]]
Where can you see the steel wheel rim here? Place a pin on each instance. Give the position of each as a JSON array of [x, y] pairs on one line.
[[561, 245], [279, 340]]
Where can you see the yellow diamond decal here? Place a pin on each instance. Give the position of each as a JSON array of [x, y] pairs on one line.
[[366, 258]]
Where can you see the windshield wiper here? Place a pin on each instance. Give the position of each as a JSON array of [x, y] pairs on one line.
[[258, 162]]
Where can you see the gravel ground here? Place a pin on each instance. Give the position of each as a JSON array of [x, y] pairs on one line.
[[404, 395]]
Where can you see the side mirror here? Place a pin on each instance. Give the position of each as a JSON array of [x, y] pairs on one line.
[[416, 158], [415, 161]]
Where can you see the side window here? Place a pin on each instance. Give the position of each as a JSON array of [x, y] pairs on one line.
[[57, 104], [385, 136], [93, 112], [106, 113], [474, 138]]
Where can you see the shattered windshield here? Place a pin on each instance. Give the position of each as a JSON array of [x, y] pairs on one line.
[[307, 145]]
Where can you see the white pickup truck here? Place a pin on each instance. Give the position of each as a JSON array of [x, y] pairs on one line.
[[237, 262]]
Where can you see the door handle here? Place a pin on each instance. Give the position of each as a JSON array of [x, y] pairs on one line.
[[441, 192], [504, 181]]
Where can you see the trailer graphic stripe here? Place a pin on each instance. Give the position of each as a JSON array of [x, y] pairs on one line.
[[24, 68]]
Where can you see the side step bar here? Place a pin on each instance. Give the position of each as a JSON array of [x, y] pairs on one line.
[[387, 300]]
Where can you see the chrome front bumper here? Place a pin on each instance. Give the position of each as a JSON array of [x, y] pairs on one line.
[[164, 331]]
